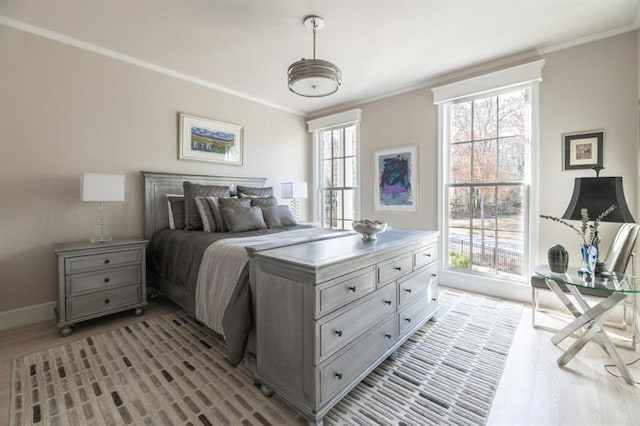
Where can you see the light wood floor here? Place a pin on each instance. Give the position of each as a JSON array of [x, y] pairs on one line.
[[533, 390]]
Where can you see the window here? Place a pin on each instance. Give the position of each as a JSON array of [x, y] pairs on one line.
[[486, 183], [487, 128], [336, 174]]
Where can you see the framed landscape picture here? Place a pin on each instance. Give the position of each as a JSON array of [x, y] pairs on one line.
[[583, 150], [395, 189], [203, 139]]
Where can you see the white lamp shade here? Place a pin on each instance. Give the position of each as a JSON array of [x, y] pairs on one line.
[[292, 190], [101, 187]]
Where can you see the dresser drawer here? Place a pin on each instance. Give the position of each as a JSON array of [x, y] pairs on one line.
[[413, 285], [102, 301], [394, 268], [111, 277], [337, 293], [341, 371], [354, 320], [424, 256], [95, 262], [413, 315]]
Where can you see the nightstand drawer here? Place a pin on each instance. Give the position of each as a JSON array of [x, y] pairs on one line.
[[112, 277], [354, 320], [394, 268], [95, 262], [102, 301]]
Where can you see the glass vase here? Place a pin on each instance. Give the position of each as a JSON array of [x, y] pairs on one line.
[[589, 255]]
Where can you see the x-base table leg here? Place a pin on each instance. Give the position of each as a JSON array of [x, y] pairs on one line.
[[591, 319]]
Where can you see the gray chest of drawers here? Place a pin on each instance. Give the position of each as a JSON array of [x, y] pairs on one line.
[[328, 312], [96, 279]]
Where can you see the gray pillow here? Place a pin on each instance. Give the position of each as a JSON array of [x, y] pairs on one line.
[[232, 202], [278, 216], [264, 201], [248, 191], [243, 218], [176, 211], [193, 190]]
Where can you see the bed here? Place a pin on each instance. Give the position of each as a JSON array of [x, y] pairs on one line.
[[182, 264]]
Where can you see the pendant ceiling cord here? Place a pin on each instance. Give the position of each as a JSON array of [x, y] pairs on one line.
[[315, 26]]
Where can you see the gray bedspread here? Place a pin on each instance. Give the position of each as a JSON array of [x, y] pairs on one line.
[[175, 257]]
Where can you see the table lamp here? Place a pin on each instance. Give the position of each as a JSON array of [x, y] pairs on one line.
[[101, 187], [596, 195], [294, 191]]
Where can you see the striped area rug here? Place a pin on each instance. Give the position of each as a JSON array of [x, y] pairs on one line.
[[171, 370]]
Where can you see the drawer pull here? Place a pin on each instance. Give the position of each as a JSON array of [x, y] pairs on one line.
[[106, 280], [433, 275], [407, 319], [434, 299], [107, 261], [408, 290], [352, 288], [388, 302], [426, 254], [339, 376], [339, 333], [388, 336], [106, 301], [397, 268]]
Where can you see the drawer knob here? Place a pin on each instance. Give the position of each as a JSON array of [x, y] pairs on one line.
[[397, 268], [107, 261], [427, 254], [407, 319], [388, 302], [388, 336], [339, 376], [433, 275], [106, 280], [352, 288], [434, 299], [106, 301], [408, 290], [339, 333]]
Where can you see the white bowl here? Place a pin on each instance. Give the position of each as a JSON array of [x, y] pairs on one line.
[[369, 228]]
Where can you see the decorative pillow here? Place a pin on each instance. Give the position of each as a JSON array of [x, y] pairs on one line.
[[218, 222], [193, 190], [250, 192], [243, 218], [278, 216], [264, 201], [232, 202], [206, 214], [176, 211]]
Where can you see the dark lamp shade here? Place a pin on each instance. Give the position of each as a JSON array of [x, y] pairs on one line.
[[596, 195]]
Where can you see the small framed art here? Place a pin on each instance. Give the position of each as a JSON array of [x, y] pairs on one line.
[[583, 150], [203, 139], [396, 171]]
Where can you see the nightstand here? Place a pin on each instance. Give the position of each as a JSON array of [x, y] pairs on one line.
[[97, 279]]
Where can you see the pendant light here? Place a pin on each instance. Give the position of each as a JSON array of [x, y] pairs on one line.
[[314, 78]]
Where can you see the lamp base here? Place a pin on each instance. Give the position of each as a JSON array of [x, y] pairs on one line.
[[101, 231]]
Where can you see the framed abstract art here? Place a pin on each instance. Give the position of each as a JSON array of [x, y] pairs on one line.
[[396, 171]]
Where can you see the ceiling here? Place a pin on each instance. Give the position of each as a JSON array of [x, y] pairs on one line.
[[382, 46]]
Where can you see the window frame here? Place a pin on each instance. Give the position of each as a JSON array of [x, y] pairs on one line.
[[527, 75], [315, 126]]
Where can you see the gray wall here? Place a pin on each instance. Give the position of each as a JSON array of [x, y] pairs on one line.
[[64, 111], [586, 87]]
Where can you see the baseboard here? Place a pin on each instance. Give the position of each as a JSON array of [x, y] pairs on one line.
[[27, 315]]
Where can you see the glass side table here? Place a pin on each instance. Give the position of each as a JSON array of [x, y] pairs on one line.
[[589, 319]]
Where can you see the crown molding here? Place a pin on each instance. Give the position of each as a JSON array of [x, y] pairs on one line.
[[589, 38], [93, 48]]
